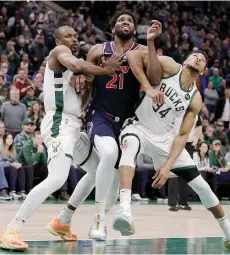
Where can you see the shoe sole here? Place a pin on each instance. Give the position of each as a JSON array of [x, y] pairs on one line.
[[123, 226], [12, 247], [97, 238], [52, 231]]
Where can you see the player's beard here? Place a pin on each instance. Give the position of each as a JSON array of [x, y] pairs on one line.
[[124, 36]]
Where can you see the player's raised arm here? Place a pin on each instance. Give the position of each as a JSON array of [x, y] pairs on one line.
[[154, 69], [136, 62], [65, 57]]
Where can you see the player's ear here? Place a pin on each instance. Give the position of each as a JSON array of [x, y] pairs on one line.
[[135, 32], [113, 31], [57, 41]]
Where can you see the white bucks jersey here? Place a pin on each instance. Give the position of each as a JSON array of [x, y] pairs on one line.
[[59, 96], [177, 125], [159, 119]]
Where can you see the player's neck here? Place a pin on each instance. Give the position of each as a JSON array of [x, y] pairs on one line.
[[187, 78], [121, 46]]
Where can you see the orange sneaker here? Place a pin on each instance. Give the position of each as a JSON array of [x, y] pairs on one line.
[[10, 240], [62, 230]]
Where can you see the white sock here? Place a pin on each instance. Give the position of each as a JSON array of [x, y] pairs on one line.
[[225, 226], [66, 215], [125, 199], [15, 223], [100, 208]]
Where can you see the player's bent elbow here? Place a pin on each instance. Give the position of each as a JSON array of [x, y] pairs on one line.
[[153, 78], [76, 69]]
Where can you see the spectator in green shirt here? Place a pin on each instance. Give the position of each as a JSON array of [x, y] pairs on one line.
[[13, 57], [28, 128], [217, 161], [216, 80], [33, 159], [29, 99], [208, 135], [219, 134]]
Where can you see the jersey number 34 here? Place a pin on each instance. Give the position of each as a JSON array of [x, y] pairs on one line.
[[111, 84]]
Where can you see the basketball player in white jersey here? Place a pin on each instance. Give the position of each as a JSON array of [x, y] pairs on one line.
[[60, 127], [152, 132]]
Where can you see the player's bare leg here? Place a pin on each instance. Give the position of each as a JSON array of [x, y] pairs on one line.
[[211, 203], [123, 220]]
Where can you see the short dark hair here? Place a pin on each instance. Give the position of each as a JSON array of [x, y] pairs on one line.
[[58, 31], [199, 51], [120, 13]]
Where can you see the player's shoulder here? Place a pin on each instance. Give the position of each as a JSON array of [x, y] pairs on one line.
[[169, 65], [95, 53], [96, 48], [196, 102], [138, 52], [142, 47], [59, 49]]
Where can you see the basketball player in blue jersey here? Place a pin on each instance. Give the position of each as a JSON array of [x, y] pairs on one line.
[[152, 132], [113, 100]]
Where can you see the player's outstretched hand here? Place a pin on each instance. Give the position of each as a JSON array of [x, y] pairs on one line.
[[160, 177], [154, 31], [112, 64], [157, 96], [78, 81]]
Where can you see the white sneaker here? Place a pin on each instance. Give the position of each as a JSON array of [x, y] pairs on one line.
[[23, 195], [98, 230], [136, 197], [123, 222], [14, 195]]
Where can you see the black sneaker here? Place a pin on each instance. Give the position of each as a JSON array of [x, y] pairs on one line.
[[4, 195], [173, 208], [185, 207]]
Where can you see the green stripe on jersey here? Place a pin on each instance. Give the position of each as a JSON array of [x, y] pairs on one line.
[[58, 86], [193, 94], [59, 102]]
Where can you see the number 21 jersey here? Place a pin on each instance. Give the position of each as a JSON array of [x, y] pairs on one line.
[[159, 119], [116, 94]]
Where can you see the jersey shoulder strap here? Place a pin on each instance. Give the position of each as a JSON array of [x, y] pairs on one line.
[[107, 49]]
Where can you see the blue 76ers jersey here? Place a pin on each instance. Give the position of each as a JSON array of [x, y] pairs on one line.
[[116, 94]]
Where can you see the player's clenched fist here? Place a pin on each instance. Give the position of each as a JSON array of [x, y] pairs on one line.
[[154, 31]]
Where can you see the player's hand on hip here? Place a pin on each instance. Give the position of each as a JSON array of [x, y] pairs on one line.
[[155, 30], [157, 96], [112, 64], [160, 177]]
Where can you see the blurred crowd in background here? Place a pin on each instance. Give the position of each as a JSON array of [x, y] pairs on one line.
[[26, 38]]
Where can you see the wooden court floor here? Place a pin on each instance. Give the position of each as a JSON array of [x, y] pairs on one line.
[[158, 231]]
